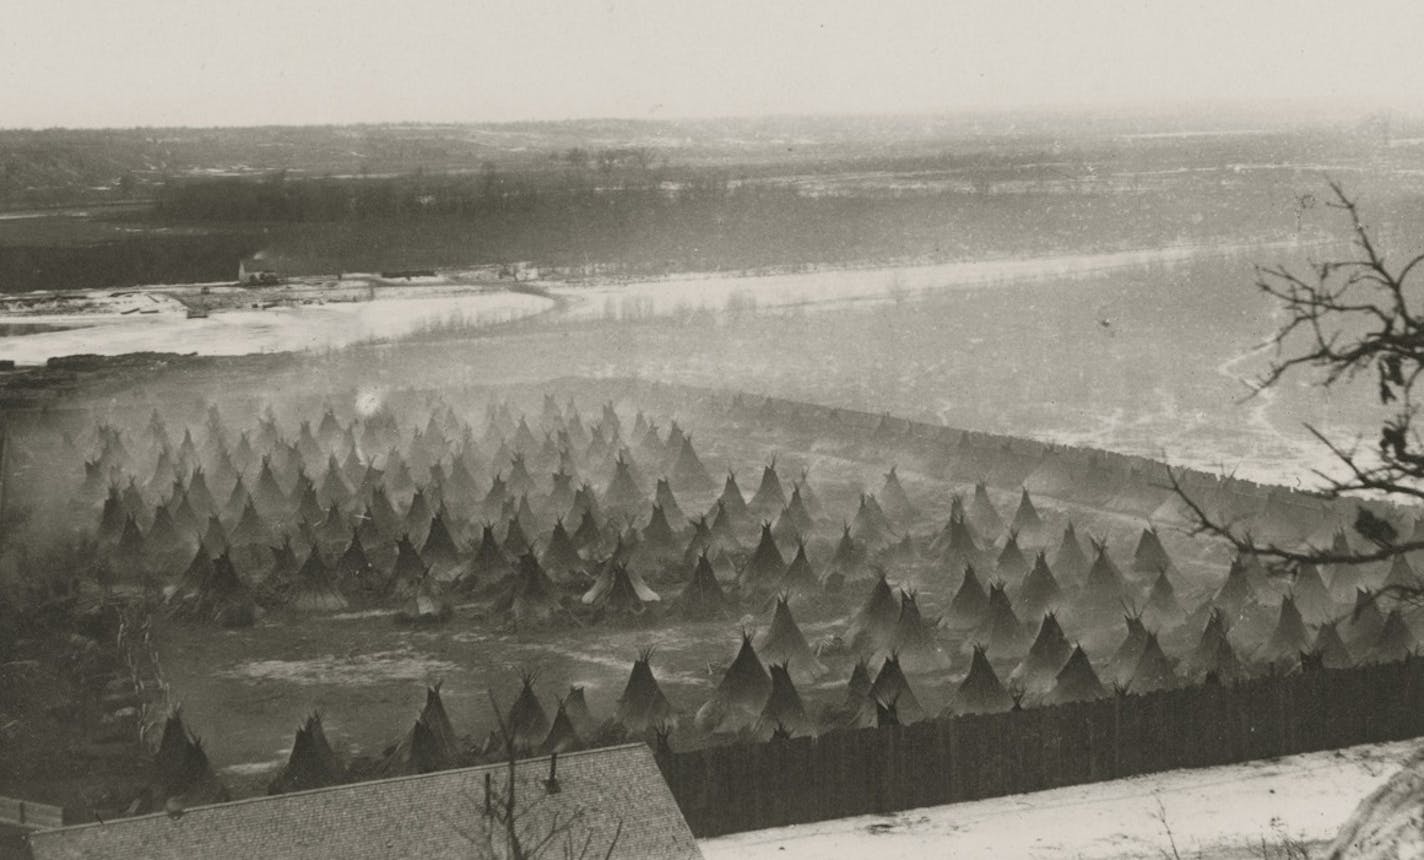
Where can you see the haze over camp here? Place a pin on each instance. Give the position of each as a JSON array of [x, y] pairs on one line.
[[640, 430]]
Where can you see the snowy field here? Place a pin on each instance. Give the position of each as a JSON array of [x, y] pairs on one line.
[[1252, 810]]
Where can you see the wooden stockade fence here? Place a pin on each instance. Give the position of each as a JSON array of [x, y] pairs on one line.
[[730, 789]]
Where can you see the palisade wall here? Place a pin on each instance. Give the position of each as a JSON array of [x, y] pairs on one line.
[[741, 787]]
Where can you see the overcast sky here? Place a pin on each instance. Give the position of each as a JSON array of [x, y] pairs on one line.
[[244, 62]]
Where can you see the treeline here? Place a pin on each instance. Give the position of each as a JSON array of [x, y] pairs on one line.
[[632, 219], [702, 221], [277, 198], [145, 259]]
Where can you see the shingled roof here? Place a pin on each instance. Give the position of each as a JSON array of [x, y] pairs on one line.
[[432, 815]]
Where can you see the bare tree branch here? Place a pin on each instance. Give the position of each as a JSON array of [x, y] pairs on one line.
[[527, 833], [1341, 318]]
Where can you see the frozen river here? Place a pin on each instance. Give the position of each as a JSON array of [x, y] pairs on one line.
[[239, 332], [154, 322]]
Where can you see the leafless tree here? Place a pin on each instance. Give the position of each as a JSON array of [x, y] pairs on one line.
[[1343, 319], [511, 826]]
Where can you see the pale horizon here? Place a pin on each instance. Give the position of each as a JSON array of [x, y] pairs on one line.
[[158, 63]]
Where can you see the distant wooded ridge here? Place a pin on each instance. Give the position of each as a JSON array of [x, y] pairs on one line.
[[65, 166], [198, 230], [630, 199]]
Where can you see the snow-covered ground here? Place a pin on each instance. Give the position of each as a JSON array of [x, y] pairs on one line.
[[1251, 810], [279, 329]]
